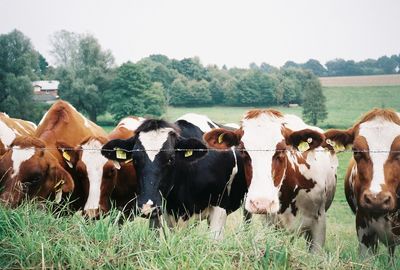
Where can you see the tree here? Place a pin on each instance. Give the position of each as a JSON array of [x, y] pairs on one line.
[[314, 109], [19, 65], [315, 67], [132, 93], [85, 71]]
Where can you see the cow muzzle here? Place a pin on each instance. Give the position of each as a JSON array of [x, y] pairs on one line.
[[380, 202], [262, 206], [92, 213], [149, 209]]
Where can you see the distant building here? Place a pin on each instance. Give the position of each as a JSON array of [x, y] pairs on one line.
[[45, 91]]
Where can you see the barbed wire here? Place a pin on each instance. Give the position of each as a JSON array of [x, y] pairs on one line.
[[204, 150]]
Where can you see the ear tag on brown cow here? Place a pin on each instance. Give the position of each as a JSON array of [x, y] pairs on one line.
[[336, 146], [303, 146], [58, 190], [117, 165], [188, 153], [221, 138], [67, 159], [120, 153]]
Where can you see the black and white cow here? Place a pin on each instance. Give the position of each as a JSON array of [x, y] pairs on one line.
[[209, 183]]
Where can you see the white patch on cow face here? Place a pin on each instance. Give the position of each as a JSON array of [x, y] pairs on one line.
[[94, 162], [7, 135], [262, 133], [18, 156], [379, 134], [200, 121], [131, 123], [152, 141]]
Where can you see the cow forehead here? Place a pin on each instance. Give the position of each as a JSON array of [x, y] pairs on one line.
[[18, 156], [153, 141], [91, 155], [379, 133], [261, 134]]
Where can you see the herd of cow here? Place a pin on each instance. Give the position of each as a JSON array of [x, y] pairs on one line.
[[274, 164]]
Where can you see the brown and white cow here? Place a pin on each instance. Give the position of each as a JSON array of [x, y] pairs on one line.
[[372, 183], [33, 166], [295, 187], [100, 179], [10, 128]]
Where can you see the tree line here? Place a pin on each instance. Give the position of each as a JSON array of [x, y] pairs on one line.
[[94, 84]]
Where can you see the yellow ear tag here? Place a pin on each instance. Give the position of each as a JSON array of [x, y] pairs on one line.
[[221, 138], [66, 156], [58, 190], [188, 153], [303, 146], [120, 153], [339, 148]]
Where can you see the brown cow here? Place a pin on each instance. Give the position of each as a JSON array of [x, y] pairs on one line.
[[10, 128], [295, 188], [372, 183], [33, 166], [100, 178]]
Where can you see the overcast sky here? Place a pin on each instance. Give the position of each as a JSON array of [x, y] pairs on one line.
[[229, 32]]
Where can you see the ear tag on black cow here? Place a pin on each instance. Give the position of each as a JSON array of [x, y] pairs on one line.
[[188, 153], [58, 190], [67, 158], [221, 138], [120, 153], [337, 147]]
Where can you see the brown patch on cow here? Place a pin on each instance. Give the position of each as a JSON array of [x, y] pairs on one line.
[[387, 114], [257, 112], [220, 138], [28, 141]]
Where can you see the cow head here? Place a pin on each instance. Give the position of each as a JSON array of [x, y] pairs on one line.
[[268, 144], [28, 169], [155, 150], [94, 174], [376, 145]]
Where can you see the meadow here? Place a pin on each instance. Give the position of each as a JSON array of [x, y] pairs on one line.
[[31, 237]]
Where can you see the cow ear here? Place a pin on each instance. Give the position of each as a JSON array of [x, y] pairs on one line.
[[62, 181], [338, 140], [304, 140], [68, 153], [222, 138], [190, 149], [119, 150]]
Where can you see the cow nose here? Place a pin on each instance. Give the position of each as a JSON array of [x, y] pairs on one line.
[[378, 202], [262, 206], [92, 213], [147, 208]]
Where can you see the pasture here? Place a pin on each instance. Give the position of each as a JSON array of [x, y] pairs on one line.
[[31, 237]]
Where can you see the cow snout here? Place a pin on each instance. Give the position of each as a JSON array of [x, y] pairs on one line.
[[262, 206], [147, 208], [92, 213], [378, 202]]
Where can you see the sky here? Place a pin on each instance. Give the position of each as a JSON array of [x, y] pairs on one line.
[[230, 32]]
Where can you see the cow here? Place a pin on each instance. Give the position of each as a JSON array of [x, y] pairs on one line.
[[10, 128], [34, 167], [372, 184], [172, 162], [293, 188], [102, 180]]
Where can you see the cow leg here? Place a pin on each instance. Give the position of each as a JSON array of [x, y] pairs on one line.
[[246, 216], [216, 221], [317, 233], [367, 238]]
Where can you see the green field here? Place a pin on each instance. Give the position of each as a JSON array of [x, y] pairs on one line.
[[31, 237]]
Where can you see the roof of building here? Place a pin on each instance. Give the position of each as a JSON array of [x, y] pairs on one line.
[[46, 85]]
